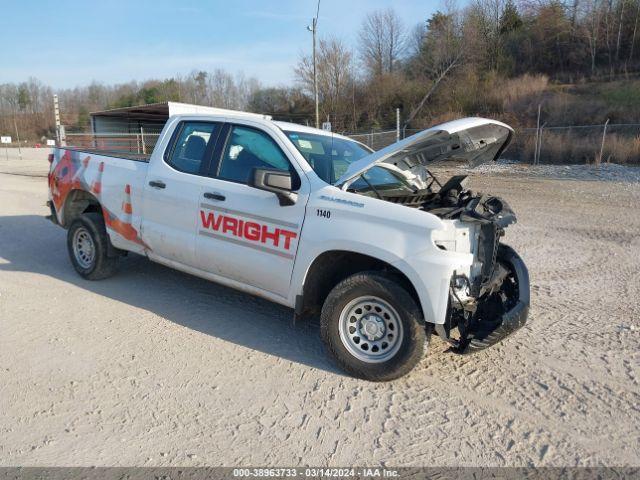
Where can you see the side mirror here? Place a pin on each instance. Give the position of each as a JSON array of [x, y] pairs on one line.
[[275, 181]]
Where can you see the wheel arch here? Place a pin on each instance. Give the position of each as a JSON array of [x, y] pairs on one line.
[[78, 202], [332, 266]]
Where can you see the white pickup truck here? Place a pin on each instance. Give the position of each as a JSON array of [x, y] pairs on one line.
[[371, 241]]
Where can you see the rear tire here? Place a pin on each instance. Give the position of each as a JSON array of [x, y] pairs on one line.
[[373, 327], [88, 247]]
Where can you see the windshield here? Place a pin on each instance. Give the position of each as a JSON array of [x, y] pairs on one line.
[[329, 156], [378, 180]]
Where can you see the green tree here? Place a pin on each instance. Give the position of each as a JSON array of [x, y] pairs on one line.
[[510, 20], [200, 79], [148, 95], [24, 99], [83, 117], [169, 91], [510, 31]]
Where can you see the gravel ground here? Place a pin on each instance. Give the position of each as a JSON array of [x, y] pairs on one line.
[[154, 367], [26, 161], [610, 172]]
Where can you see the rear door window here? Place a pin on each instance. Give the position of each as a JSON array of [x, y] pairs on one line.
[[192, 145]]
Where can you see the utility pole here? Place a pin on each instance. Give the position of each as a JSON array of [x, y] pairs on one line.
[[15, 125], [313, 29], [56, 111]]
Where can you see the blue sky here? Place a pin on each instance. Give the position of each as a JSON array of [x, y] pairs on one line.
[[66, 43]]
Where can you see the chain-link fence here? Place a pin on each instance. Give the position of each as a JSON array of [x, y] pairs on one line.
[[616, 143], [378, 140], [580, 144], [375, 140]]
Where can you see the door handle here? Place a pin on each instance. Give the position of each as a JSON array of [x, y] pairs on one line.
[[215, 196], [157, 184]]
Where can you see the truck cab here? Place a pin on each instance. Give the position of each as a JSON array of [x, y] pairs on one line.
[[371, 242]]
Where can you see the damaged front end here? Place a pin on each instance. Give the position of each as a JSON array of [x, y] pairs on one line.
[[500, 310], [491, 299]]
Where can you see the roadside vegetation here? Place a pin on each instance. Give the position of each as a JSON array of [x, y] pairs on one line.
[[576, 61]]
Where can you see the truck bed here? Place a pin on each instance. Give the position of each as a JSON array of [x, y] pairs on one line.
[[137, 157], [115, 179]]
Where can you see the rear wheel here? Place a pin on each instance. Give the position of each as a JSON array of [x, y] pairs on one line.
[[373, 327], [88, 247]]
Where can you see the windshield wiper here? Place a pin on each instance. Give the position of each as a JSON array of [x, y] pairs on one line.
[[433, 179], [373, 189]]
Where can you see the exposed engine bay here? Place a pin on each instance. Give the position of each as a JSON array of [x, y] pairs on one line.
[[487, 302]]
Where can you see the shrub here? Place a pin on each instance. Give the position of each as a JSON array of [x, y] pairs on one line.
[[510, 92]]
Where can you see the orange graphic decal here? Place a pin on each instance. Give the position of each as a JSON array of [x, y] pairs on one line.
[[67, 175], [123, 225], [126, 204], [96, 186]]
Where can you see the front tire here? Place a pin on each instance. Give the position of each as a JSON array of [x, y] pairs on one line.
[[88, 247], [373, 327]]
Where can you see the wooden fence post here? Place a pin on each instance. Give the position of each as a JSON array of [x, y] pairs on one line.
[[535, 151], [604, 134]]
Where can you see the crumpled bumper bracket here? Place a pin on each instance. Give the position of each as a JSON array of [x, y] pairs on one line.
[[486, 334]]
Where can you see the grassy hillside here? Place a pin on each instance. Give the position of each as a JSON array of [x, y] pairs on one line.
[[584, 107]]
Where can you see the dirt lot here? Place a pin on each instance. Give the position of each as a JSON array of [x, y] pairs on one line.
[[26, 161], [153, 367]]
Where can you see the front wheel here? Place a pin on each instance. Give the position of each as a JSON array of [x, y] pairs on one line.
[[373, 327], [88, 246]]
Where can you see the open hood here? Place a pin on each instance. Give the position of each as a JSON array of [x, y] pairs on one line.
[[467, 142]]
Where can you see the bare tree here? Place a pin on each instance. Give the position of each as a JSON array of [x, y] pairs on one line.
[[620, 22], [635, 29], [486, 15], [415, 40], [442, 51], [591, 26], [382, 41], [335, 77]]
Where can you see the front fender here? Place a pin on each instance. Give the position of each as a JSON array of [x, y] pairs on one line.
[[430, 273]]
